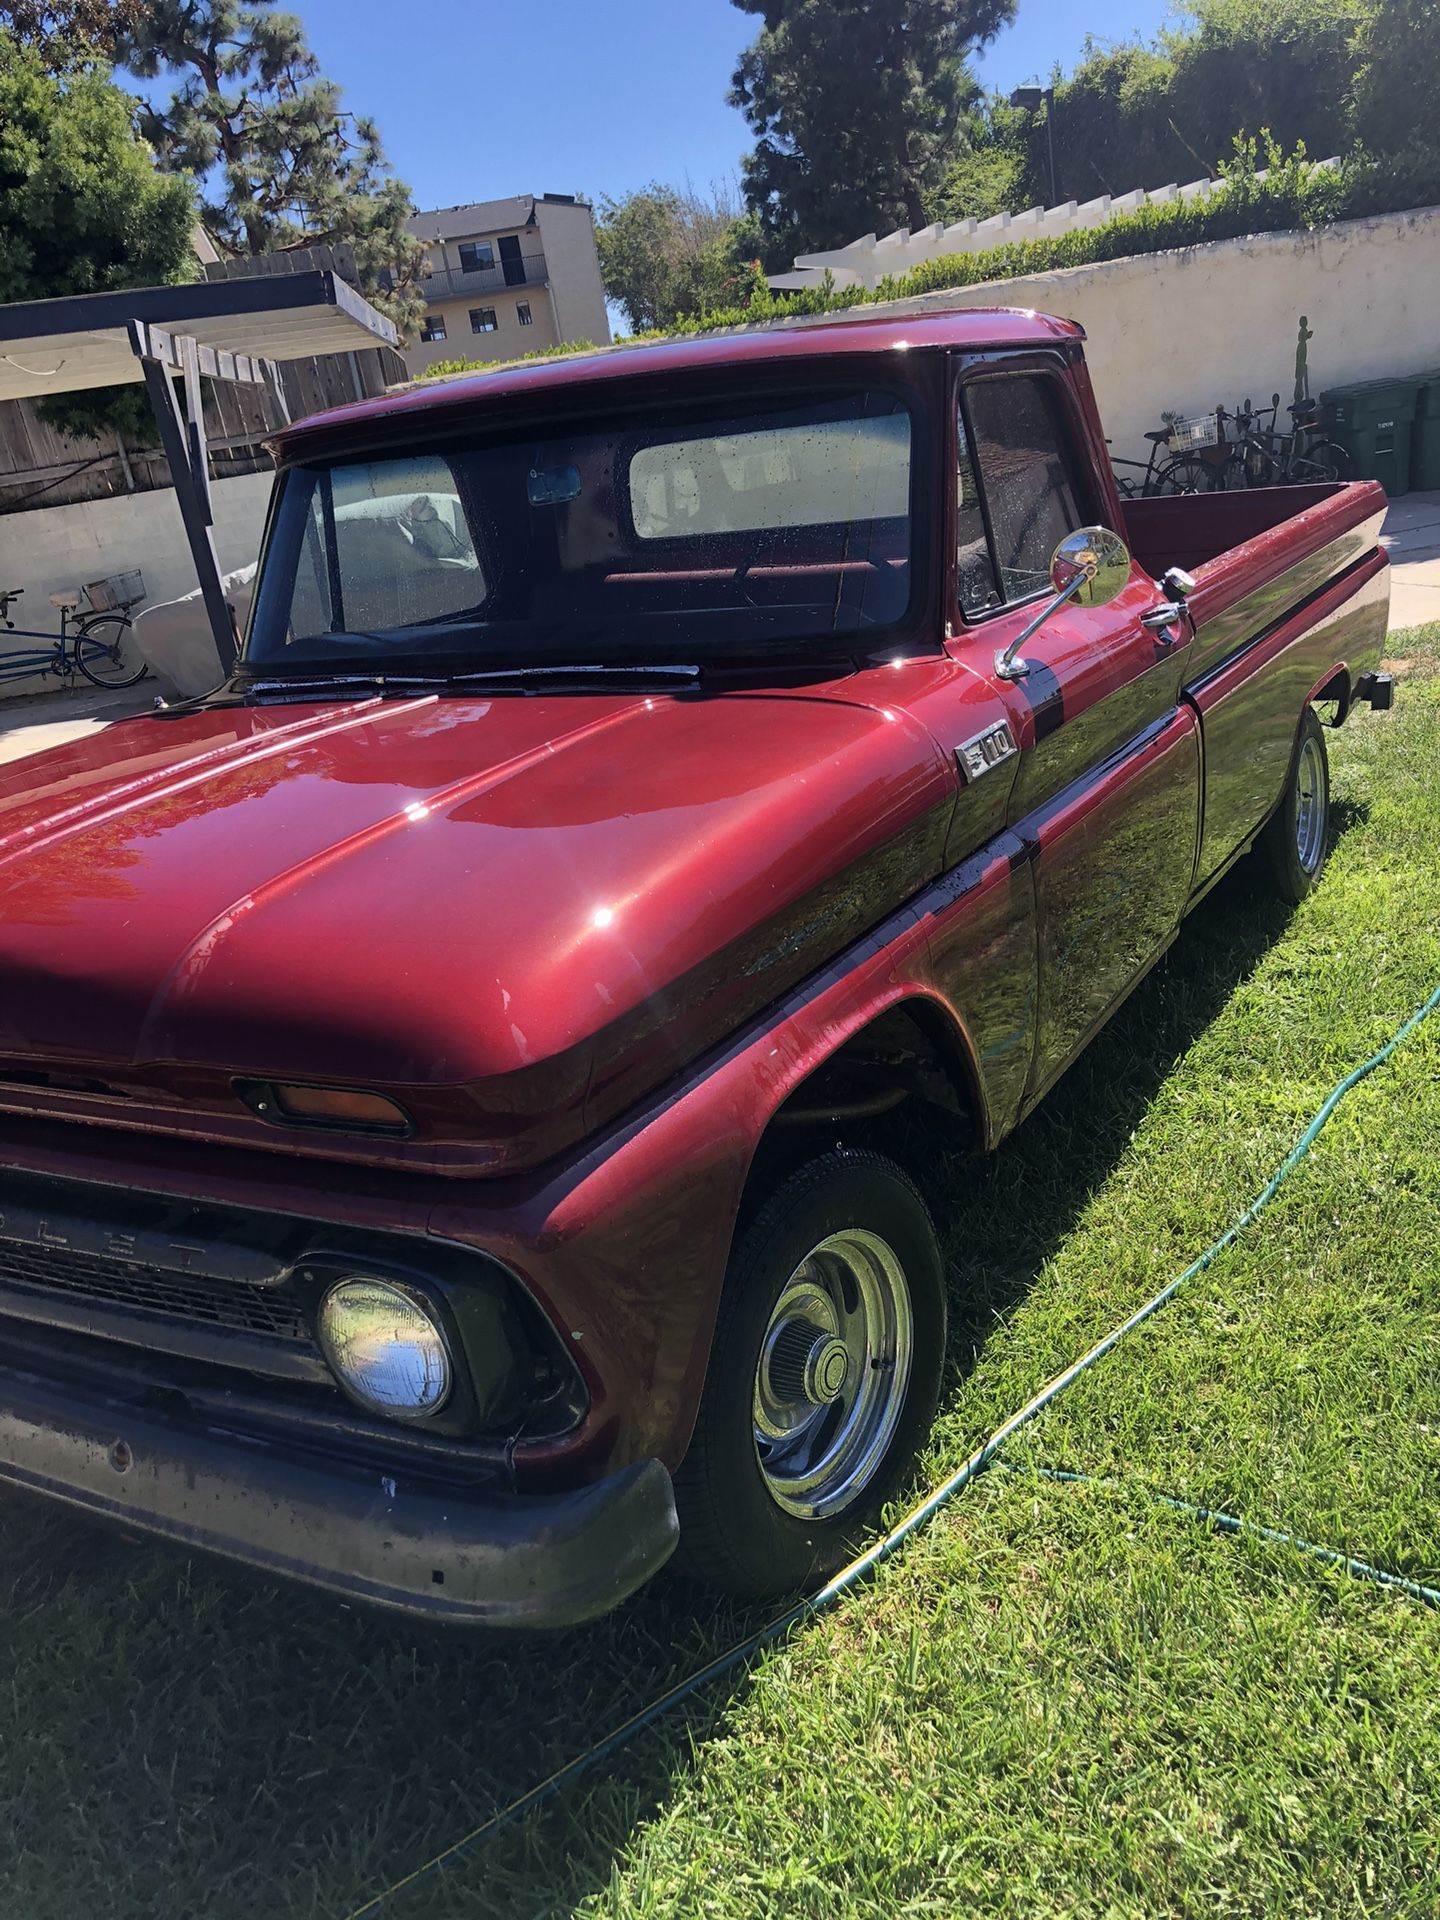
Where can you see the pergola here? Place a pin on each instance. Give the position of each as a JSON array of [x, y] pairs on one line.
[[220, 329]]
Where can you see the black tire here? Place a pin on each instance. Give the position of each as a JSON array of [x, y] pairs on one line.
[[1326, 461], [1248, 466], [1296, 840], [1186, 473], [106, 653], [737, 1532]]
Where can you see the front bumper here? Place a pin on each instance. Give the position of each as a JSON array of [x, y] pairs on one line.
[[475, 1553]]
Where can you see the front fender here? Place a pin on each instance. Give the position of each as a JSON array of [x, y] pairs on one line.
[[626, 1245]]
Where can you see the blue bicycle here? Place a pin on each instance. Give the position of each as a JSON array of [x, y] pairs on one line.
[[100, 645]]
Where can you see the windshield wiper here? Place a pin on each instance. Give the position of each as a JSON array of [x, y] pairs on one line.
[[341, 684], [522, 679], [586, 675]]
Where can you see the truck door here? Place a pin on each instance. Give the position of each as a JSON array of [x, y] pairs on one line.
[[1105, 797]]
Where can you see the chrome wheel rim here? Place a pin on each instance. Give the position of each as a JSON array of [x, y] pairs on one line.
[[1309, 806], [832, 1375]]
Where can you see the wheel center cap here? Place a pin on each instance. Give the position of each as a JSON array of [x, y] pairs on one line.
[[827, 1367]]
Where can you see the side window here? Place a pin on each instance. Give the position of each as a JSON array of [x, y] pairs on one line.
[[1029, 487]]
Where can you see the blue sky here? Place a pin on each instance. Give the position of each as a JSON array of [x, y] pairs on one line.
[[476, 100]]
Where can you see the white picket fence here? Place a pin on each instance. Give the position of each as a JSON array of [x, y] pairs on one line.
[[867, 261]]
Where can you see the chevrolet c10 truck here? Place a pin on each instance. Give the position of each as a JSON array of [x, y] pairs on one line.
[[455, 1078]]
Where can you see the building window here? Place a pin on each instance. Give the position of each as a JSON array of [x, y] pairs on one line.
[[482, 320], [524, 315], [476, 255], [432, 327]]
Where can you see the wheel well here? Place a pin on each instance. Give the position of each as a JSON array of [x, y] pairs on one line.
[[885, 1085]]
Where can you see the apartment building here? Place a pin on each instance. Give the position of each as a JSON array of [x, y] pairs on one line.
[[507, 277]]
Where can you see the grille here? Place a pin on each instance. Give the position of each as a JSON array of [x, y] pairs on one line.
[[215, 1303]]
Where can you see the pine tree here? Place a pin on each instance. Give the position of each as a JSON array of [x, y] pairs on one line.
[[282, 164], [856, 105]]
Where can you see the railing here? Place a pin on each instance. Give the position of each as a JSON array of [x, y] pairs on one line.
[[448, 283]]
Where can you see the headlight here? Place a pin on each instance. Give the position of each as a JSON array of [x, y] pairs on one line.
[[386, 1347]]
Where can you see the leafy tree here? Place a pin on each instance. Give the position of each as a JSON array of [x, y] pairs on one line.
[[987, 175], [1397, 82], [82, 207], [57, 33], [855, 104], [665, 252], [1139, 115], [286, 166]]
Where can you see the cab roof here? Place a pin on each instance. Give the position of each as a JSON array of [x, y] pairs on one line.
[[443, 403]]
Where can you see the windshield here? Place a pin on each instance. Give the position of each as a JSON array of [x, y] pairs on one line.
[[667, 537]]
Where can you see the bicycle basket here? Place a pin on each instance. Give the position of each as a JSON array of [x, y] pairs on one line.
[[1186, 436], [117, 592]]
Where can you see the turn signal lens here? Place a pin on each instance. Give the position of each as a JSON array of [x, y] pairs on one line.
[[284, 1104], [340, 1106]]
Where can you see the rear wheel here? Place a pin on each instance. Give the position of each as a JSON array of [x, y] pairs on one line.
[[1295, 842], [1325, 461], [1187, 473], [823, 1378], [106, 652]]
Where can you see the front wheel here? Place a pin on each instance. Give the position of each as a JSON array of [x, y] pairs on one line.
[[106, 652], [823, 1380], [1295, 842]]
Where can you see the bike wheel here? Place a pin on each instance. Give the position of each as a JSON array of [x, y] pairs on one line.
[[1247, 467], [1186, 473], [1323, 462], [106, 653]]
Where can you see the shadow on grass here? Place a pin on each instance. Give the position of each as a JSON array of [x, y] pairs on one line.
[[178, 1739]]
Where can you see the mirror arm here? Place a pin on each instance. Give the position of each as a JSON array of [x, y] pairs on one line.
[[1007, 663]]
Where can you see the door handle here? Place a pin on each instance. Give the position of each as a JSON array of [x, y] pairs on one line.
[[1167, 614], [1170, 613]]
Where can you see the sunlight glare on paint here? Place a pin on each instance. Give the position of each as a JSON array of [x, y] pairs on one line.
[[603, 916]]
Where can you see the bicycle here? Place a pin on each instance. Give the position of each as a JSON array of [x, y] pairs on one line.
[[1187, 472], [99, 645], [1262, 456]]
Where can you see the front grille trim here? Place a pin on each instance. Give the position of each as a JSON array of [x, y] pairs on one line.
[[200, 1300]]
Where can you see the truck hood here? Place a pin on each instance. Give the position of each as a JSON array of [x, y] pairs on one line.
[[520, 912]]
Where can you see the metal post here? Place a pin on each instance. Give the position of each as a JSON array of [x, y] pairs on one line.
[[195, 424], [193, 499], [1050, 142]]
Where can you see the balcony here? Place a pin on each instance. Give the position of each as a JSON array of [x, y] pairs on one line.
[[450, 283]]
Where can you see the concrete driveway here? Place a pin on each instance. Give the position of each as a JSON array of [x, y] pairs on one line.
[[1412, 535], [40, 720], [30, 725]]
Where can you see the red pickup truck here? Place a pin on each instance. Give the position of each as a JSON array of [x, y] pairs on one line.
[[455, 1079]]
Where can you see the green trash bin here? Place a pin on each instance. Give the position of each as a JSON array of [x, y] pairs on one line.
[[1425, 438], [1374, 422]]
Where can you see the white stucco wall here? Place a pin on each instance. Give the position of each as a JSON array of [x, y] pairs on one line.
[[1177, 332], [52, 548]]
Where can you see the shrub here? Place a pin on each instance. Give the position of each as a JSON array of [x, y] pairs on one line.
[[1292, 195]]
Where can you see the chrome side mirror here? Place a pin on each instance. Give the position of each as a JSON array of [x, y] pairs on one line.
[[1090, 568]]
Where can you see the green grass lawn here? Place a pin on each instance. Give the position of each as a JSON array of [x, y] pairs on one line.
[[1058, 1700]]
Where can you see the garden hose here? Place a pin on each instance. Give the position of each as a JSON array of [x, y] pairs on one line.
[[1246, 1529], [983, 1457]]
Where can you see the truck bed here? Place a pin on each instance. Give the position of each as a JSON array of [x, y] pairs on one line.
[[1189, 529]]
